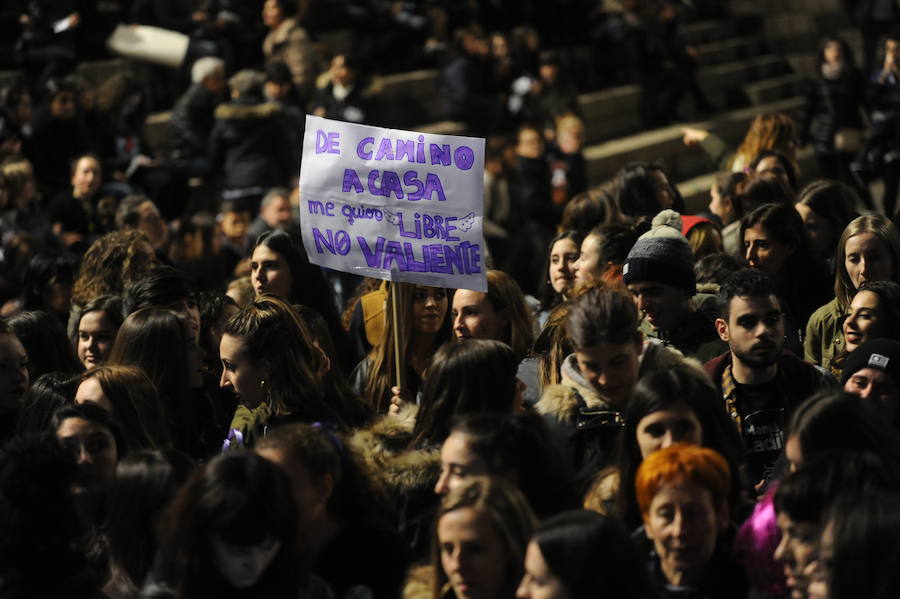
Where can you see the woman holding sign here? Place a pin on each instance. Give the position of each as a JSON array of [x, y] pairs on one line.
[[423, 325]]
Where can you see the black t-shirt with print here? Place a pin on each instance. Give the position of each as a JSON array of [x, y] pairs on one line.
[[762, 409]]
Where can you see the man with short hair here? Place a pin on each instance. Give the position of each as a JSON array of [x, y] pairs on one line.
[[659, 273], [275, 212], [192, 117], [759, 381], [71, 212], [872, 371]]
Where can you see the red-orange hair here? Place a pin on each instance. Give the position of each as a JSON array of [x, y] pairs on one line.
[[682, 463]]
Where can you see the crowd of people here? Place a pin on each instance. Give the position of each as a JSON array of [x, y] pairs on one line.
[[645, 403]]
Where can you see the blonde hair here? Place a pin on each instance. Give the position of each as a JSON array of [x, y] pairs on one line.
[[882, 228], [569, 122], [557, 346], [508, 513]]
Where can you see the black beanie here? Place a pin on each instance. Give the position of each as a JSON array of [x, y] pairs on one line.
[[662, 255], [881, 354]]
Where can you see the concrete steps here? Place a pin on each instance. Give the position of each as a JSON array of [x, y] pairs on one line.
[[665, 145], [408, 99], [776, 88], [94, 71], [736, 48], [610, 112], [695, 192], [704, 32]]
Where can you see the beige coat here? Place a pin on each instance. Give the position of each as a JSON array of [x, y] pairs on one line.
[[290, 44]]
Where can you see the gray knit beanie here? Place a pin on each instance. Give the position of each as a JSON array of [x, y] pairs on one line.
[[662, 255]]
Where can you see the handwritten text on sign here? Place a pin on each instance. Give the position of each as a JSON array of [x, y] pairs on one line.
[[393, 204]]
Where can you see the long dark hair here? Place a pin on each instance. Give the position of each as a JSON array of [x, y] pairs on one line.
[[145, 483], [520, 448], [156, 341], [865, 529], [581, 547], [45, 342], [242, 499], [46, 395], [110, 305], [310, 288], [659, 391], [351, 409], [549, 296], [275, 338], [474, 375], [838, 421], [323, 451], [637, 190], [803, 284]]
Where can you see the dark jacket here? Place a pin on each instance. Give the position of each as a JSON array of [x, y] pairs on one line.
[[353, 108], [762, 423], [800, 379], [883, 97], [53, 144], [833, 104], [532, 192], [696, 336], [249, 145], [407, 475], [192, 121], [724, 579], [583, 424]]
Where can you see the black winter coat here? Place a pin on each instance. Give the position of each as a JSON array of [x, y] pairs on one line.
[[249, 146]]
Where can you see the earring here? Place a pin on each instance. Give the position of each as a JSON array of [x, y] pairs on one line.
[[262, 383]]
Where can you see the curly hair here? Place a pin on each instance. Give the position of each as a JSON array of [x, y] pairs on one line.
[[111, 264]]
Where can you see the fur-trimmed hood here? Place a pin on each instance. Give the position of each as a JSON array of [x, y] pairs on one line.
[[245, 111], [419, 582], [563, 401], [383, 447]]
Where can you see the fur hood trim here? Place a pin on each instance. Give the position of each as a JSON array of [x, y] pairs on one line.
[[562, 401], [231, 111], [383, 447], [419, 582], [708, 288]]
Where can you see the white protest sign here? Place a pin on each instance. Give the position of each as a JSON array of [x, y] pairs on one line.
[[393, 204]]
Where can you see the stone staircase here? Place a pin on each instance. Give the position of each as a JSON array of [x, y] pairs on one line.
[[739, 72]]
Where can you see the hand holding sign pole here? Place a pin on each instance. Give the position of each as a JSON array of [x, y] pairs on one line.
[[394, 205]]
